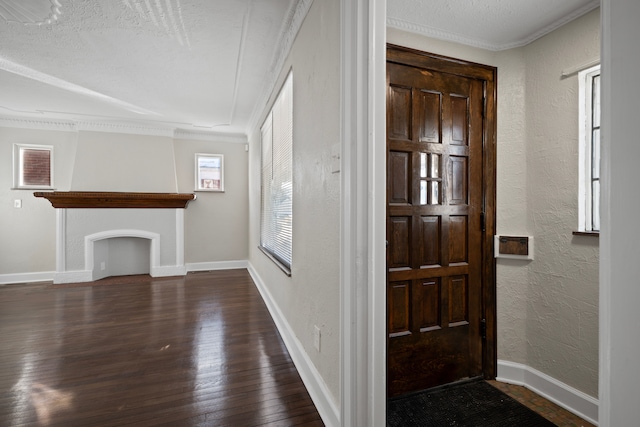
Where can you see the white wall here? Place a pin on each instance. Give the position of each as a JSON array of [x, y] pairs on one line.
[[27, 235], [216, 224], [311, 295], [620, 269], [547, 308], [123, 162]]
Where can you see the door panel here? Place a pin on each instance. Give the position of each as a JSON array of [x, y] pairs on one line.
[[434, 207]]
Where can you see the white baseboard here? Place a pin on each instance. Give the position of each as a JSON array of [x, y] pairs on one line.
[[73, 276], [310, 376], [561, 394], [168, 271], [217, 265], [42, 276]]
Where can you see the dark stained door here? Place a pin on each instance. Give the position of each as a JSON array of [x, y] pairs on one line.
[[434, 227]]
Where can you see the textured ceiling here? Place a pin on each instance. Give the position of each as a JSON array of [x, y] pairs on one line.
[[202, 64], [489, 24], [193, 63]]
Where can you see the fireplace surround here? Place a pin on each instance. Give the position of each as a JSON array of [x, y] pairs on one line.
[[85, 220]]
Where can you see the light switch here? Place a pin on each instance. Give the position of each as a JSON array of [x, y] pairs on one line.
[[17, 203]]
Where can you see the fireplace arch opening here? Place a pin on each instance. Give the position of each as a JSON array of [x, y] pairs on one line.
[[122, 253]]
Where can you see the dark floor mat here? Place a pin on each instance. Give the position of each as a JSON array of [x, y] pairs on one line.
[[471, 404]]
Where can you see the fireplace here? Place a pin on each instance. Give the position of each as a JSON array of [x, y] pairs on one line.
[[94, 228]]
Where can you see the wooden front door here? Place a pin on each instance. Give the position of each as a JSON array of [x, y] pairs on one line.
[[436, 213]]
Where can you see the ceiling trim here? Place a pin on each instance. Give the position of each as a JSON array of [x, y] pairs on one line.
[[38, 124], [235, 138], [130, 128], [436, 33], [288, 32], [120, 127]]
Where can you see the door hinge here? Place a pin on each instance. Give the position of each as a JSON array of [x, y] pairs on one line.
[[483, 222], [483, 329]]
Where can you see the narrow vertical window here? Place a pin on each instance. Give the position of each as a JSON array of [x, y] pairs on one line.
[[276, 196], [589, 209], [33, 166]]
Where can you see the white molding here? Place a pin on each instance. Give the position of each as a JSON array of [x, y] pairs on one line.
[[311, 378], [41, 276], [167, 271], [61, 233], [39, 123], [217, 265], [439, 34], [77, 276], [436, 33], [362, 217], [180, 238], [290, 27], [202, 135], [126, 127], [561, 394], [167, 129]]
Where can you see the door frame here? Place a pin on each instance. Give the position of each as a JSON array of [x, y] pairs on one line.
[[488, 75]]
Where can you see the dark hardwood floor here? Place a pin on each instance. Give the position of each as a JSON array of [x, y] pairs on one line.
[[195, 351]]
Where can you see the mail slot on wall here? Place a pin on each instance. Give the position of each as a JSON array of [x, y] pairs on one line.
[[514, 247]]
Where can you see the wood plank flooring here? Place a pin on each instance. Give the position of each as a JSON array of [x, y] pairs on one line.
[[200, 350]]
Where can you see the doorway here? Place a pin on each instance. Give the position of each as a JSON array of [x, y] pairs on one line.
[[441, 186]]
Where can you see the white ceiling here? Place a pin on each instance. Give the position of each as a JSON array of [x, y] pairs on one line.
[[202, 64], [488, 24]]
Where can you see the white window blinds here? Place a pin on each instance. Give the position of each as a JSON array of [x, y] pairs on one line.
[[276, 213]]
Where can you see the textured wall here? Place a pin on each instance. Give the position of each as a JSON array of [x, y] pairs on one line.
[[28, 234], [311, 296], [562, 302], [547, 308]]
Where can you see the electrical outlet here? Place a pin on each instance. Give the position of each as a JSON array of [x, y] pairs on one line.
[[17, 203], [316, 338], [103, 266]]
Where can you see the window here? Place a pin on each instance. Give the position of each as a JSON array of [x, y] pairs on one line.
[[32, 166], [276, 207], [589, 153]]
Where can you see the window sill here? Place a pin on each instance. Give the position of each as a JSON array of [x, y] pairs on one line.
[[586, 233], [34, 188], [286, 270]]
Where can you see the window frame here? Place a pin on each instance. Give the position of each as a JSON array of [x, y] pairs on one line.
[[589, 170], [18, 166], [276, 179]]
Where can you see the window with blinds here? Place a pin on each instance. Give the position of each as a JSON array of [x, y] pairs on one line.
[[276, 207]]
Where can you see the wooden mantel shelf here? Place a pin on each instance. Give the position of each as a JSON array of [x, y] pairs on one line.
[[94, 199]]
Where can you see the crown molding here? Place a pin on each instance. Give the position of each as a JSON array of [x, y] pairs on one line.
[[288, 33], [39, 124], [593, 4], [439, 34], [125, 127], [196, 135], [131, 128]]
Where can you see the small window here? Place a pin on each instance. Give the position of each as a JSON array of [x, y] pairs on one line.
[[276, 207], [33, 166], [589, 153]]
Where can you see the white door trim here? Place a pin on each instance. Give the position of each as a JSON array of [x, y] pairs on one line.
[[363, 226]]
